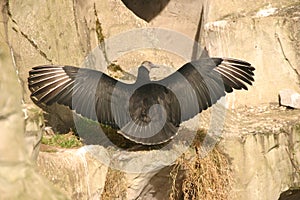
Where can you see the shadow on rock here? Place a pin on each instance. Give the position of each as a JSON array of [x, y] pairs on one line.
[[146, 9]]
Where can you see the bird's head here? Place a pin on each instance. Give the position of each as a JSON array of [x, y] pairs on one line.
[[144, 70], [148, 65]]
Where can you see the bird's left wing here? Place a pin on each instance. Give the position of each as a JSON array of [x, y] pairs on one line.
[[86, 91], [199, 84]]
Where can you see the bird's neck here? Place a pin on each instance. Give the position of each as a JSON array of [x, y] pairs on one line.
[[143, 76]]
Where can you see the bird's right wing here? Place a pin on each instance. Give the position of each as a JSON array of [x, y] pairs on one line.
[[86, 91], [199, 84]]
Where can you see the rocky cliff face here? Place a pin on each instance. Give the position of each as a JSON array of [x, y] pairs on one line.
[[266, 35], [261, 142], [19, 179]]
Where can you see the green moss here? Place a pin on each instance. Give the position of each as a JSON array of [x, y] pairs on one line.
[[100, 36], [114, 67], [62, 140], [99, 33]]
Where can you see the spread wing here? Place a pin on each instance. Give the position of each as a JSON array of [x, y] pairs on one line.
[[199, 84], [132, 107], [86, 91]]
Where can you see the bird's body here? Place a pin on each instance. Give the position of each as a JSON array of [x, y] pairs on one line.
[[146, 112]]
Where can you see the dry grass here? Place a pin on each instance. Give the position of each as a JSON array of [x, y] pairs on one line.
[[192, 177], [115, 185], [207, 178]]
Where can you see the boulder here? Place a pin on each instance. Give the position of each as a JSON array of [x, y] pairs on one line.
[[289, 98]]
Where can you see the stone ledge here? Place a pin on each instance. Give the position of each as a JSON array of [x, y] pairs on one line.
[[260, 146]]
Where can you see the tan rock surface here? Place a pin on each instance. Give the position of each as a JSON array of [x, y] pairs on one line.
[[262, 144], [263, 147], [270, 43], [18, 178]]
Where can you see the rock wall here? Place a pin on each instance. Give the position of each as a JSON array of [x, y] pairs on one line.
[[65, 33], [265, 33], [264, 152], [18, 177]]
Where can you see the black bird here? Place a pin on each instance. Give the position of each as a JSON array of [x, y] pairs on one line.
[[146, 112]]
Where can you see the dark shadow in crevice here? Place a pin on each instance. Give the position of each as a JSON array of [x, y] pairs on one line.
[[291, 194], [196, 51], [146, 9]]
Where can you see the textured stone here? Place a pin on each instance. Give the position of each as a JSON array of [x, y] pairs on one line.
[[263, 150], [219, 9], [18, 178], [84, 174], [261, 143], [263, 147], [65, 33], [269, 42], [80, 176], [289, 98]]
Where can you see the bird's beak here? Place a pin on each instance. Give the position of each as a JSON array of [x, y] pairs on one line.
[[153, 66], [149, 65]]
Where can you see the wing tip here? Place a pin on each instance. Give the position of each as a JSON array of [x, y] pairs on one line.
[[237, 73]]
